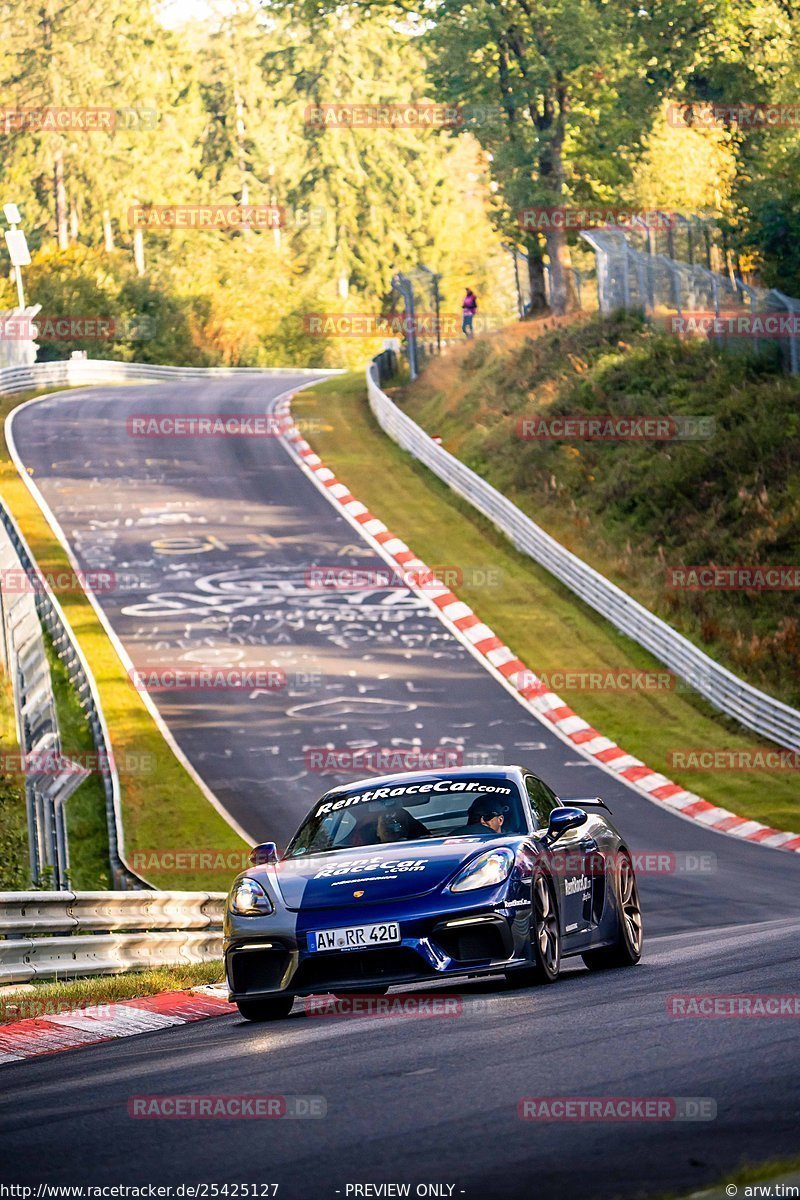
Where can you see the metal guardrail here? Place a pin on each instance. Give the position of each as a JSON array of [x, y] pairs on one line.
[[48, 935], [754, 709], [76, 372], [50, 778], [42, 606]]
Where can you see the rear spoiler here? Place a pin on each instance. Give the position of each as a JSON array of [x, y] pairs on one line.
[[586, 802]]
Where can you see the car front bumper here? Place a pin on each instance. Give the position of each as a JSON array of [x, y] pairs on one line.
[[267, 956]]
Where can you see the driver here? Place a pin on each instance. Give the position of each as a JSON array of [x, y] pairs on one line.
[[485, 816]]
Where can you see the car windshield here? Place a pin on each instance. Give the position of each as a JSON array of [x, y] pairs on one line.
[[406, 812]]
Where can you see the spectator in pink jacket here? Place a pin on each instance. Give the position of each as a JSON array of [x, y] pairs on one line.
[[469, 306]]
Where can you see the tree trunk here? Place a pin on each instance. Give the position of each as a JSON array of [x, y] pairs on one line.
[[562, 285], [60, 195], [138, 251], [551, 173], [536, 280], [240, 124], [74, 221], [240, 145], [59, 190], [108, 232]]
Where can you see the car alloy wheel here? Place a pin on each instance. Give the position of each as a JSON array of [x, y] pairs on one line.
[[627, 949], [545, 936]]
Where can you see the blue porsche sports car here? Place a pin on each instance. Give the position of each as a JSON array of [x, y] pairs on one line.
[[426, 875]]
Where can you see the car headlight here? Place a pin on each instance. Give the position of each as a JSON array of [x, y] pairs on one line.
[[486, 870], [248, 899]]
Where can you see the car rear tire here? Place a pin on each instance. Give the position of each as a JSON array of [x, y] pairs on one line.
[[627, 949], [545, 937], [272, 1008]]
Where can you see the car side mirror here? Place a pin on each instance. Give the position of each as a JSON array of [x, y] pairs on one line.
[[266, 852], [562, 819]]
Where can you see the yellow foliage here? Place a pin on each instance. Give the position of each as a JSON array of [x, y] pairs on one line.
[[685, 169]]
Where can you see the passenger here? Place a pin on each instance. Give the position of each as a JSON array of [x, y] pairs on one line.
[[397, 825]]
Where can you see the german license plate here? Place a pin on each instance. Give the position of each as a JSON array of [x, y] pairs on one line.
[[355, 937]]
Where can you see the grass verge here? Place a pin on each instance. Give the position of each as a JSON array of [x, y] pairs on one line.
[[755, 1173], [743, 1179], [545, 624], [15, 875], [50, 997], [643, 510], [163, 809]]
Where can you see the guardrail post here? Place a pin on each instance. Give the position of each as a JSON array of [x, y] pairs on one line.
[[404, 286]]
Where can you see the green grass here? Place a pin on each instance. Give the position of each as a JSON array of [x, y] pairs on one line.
[[540, 620], [748, 1173], [163, 809], [634, 509], [755, 1173], [41, 999], [15, 873]]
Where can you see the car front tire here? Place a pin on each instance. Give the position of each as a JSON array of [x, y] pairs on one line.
[[627, 949], [271, 1008], [545, 937]]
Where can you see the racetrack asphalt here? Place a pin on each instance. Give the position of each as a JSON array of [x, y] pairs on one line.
[[210, 541]]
